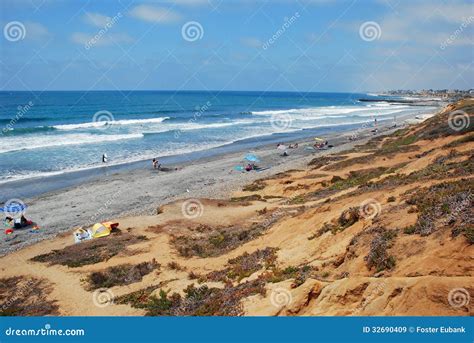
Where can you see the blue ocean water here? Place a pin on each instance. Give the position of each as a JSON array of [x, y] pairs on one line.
[[50, 133]]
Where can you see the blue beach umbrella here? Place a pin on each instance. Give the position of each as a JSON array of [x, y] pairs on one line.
[[13, 207], [252, 158]]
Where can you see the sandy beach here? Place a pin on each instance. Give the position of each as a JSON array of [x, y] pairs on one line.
[[318, 233], [143, 191], [237, 171]]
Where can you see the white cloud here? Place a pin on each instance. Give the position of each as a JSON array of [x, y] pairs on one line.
[[251, 42], [35, 31], [426, 23], [454, 12], [155, 14], [96, 19]]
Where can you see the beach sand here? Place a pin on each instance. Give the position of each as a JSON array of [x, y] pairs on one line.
[[331, 233], [141, 192]]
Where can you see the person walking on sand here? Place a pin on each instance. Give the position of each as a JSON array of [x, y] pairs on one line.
[[155, 164]]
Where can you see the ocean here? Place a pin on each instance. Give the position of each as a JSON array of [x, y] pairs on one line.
[[51, 133]]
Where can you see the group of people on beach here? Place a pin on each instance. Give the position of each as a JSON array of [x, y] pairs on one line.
[[154, 162], [322, 145]]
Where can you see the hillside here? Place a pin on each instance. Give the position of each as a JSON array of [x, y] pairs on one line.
[[384, 229]]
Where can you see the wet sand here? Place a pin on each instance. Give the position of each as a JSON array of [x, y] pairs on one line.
[[143, 191]]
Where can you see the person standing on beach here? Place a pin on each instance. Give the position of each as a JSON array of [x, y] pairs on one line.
[[375, 130], [155, 163]]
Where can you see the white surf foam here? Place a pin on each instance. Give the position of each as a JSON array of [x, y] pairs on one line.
[[100, 124], [334, 111], [10, 144]]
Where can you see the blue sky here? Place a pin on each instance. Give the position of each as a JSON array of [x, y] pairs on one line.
[[303, 45]]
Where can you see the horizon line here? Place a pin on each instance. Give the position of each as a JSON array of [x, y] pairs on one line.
[[222, 91]]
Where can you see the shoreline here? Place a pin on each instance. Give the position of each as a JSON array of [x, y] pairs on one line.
[[142, 191], [35, 186], [335, 230]]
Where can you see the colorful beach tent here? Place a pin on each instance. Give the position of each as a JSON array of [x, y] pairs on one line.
[[102, 229]]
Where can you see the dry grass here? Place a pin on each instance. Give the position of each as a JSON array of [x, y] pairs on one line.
[[26, 296], [446, 204], [257, 185], [197, 301], [90, 252], [378, 256], [244, 266], [124, 274], [206, 240]]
